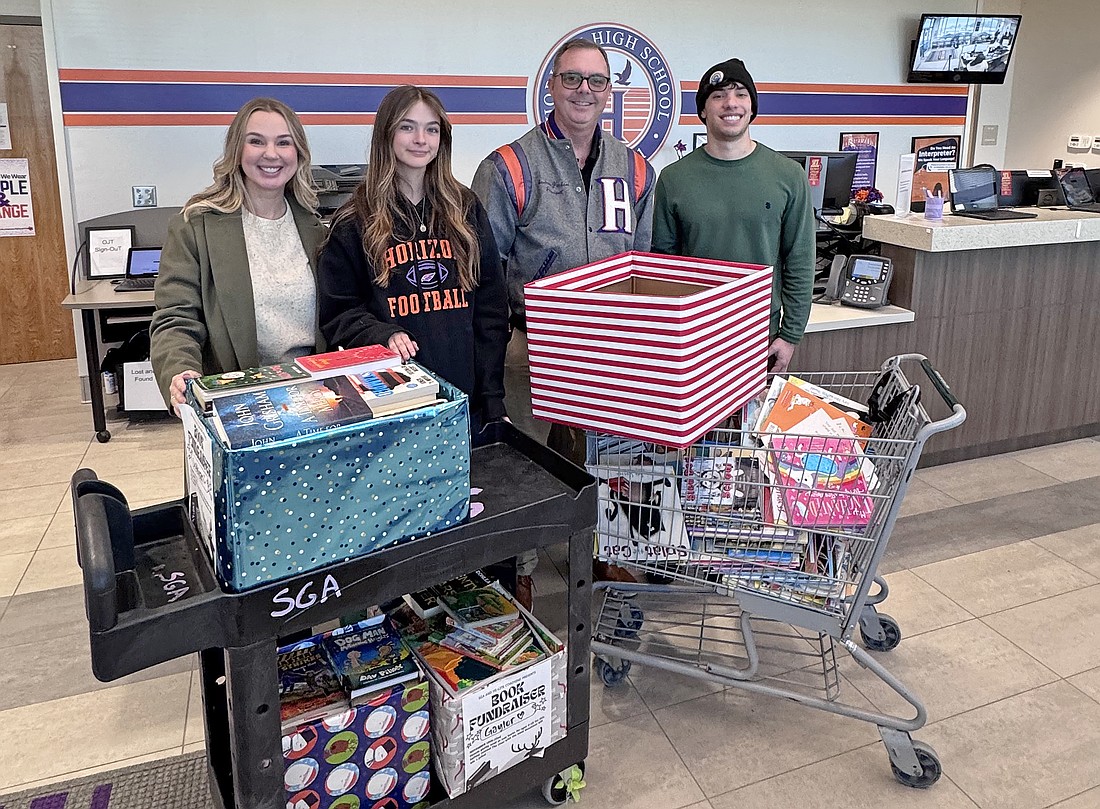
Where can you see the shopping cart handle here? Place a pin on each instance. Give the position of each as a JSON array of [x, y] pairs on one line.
[[939, 383]]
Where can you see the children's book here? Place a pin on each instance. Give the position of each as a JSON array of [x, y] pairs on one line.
[[206, 389], [480, 607], [360, 360], [795, 409], [369, 656], [820, 481], [308, 686], [459, 671], [425, 603]]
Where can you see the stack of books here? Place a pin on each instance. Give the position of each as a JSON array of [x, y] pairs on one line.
[[264, 405], [476, 634], [341, 669]]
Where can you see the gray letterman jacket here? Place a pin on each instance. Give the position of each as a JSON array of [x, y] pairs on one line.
[[544, 219]]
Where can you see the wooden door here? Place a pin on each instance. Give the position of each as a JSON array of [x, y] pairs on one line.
[[33, 269]]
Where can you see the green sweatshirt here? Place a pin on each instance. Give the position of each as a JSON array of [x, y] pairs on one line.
[[755, 210]]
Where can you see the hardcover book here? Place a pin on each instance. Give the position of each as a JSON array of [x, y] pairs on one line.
[[369, 656], [821, 481], [308, 686], [401, 383], [480, 607], [425, 603], [214, 386], [360, 360], [292, 411]]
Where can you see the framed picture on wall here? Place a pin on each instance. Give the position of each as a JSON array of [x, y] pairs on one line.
[[107, 250], [936, 155], [866, 145]]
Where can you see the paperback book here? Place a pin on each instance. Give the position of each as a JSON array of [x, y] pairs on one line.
[[480, 607], [308, 686], [369, 656], [402, 383], [360, 360], [206, 389], [425, 603], [821, 481]]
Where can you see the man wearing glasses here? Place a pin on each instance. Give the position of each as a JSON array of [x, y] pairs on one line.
[[563, 195]]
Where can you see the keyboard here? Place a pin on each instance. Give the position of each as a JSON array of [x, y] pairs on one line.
[[999, 213], [135, 285]]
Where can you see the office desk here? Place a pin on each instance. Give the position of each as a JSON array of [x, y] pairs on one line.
[[94, 299]]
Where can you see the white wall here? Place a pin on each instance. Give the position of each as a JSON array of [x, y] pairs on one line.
[[1056, 92], [798, 41], [20, 8]]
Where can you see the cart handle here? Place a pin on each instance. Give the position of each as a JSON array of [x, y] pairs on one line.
[[105, 544], [940, 384]]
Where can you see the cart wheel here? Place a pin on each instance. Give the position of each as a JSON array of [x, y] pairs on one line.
[[931, 769], [557, 789], [628, 628], [892, 631], [612, 675], [103, 436]]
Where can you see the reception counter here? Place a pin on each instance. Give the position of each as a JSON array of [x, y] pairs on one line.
[[1008, 311]]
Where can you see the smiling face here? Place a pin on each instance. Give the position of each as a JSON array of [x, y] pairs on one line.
[[577, 111], [269, 157], [416, 138], [728, 112]]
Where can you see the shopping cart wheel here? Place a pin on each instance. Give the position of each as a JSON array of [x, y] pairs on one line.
[[629, 623], [931, 769], [891, 635], [557, 789], [612, 675]]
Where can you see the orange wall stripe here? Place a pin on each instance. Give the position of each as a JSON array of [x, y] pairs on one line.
[[223, 119], [856, 89], [841, 120], [248, 77]]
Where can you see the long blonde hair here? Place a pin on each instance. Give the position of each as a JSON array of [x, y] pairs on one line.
[[377, 203], [227, 193]]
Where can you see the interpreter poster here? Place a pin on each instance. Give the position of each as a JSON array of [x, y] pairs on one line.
[[199, 474], [865, 144], [16, 212], [936, 155], [505, 723]]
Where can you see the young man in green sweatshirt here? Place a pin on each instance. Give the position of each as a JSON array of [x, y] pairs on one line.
[[737, 200]]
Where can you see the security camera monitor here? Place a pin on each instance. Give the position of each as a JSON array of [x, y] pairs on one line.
[[963, 49]]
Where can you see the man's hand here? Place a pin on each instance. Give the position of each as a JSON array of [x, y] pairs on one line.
[[179, 387], [403, 345], [779, 355]]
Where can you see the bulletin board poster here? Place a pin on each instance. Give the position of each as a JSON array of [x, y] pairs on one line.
[[936, 155], [16, 213], [865, 145]]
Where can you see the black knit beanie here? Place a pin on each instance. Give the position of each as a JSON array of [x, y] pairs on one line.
[[722, 76]]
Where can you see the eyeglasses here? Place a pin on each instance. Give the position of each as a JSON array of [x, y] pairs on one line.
[[571, 81]]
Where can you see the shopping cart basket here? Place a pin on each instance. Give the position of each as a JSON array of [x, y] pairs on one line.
[[761, 550]]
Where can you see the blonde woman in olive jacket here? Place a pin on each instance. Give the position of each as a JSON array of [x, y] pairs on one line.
[[237, 287]]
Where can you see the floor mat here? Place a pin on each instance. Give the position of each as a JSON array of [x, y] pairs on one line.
[[172, 783]]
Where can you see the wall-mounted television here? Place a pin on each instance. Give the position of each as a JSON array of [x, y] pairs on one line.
[[963, 48]]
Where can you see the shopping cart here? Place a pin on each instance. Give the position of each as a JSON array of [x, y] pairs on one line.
[[761, 549]]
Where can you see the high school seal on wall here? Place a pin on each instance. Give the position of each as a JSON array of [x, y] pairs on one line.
[[643, 102]]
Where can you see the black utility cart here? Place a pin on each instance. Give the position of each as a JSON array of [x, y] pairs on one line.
[[151, 596]]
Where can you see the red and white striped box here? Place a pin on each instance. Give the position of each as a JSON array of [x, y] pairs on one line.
[[659, 348]]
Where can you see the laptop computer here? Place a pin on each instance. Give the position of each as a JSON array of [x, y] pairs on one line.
[[142, 266], [1020, 189], [1078, 192], [974, 194]]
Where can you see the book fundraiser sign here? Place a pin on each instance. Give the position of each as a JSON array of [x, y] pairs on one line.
[[505, 723], [16, 213]]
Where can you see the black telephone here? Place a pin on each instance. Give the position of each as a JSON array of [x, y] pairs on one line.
[[860, 281]]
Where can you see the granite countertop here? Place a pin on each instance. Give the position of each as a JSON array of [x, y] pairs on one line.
[[1051, 226]]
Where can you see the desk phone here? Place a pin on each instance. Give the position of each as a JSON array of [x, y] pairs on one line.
[[860, 281]]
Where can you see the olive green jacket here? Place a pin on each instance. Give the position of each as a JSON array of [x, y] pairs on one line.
[[206, 315]]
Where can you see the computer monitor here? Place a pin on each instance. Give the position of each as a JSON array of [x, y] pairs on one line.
[[831, 175], [1017, 189], [963, 48]]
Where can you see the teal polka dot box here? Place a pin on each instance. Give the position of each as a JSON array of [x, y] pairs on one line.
[[278, 509]]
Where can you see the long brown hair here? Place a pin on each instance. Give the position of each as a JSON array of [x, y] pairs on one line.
[[227, 193], [378, 205]]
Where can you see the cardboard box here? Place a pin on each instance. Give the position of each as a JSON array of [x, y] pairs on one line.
[[139, 388], [658, 348], [272, 511], [374, 755], [483, 730]]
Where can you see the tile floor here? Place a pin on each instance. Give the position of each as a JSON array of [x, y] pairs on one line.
[[995, 580]]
